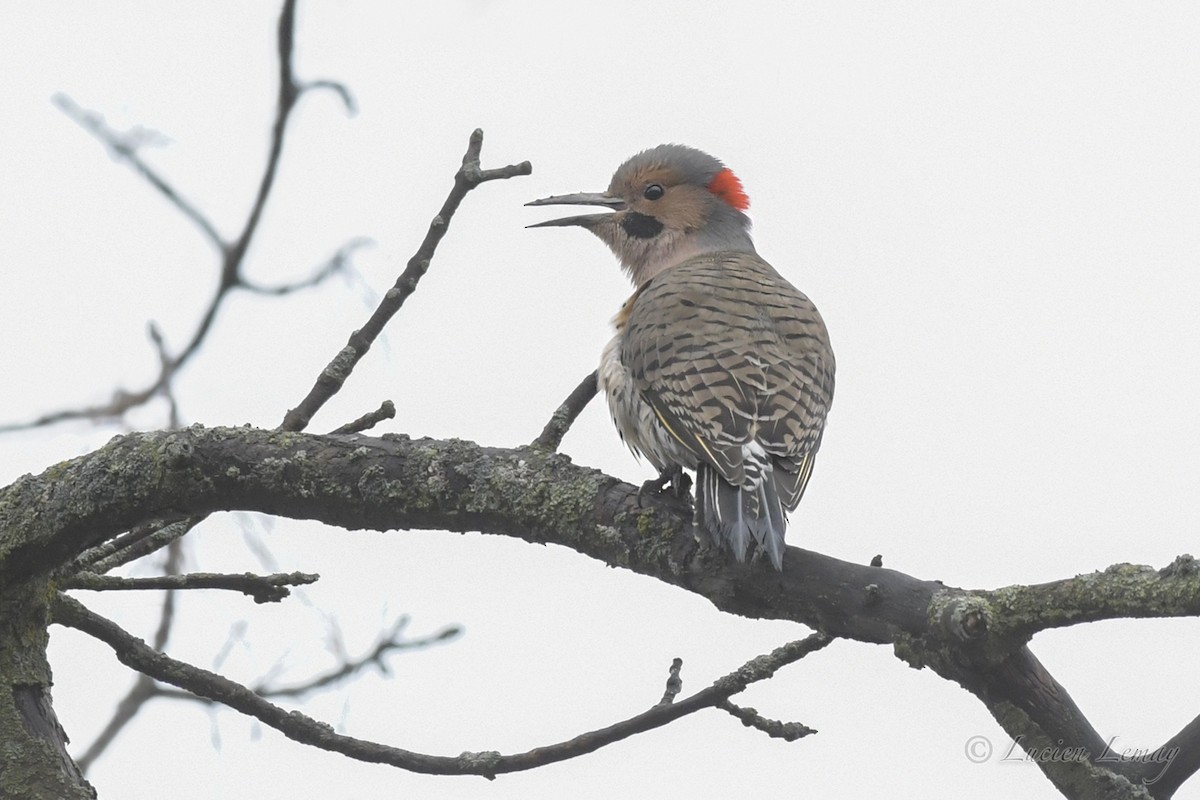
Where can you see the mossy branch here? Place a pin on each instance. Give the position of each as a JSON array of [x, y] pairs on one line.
[[355, 481]]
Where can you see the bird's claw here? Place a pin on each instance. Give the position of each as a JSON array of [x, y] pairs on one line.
[[672, 481]]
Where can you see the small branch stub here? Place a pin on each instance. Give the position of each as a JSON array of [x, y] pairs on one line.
[[674, 683]]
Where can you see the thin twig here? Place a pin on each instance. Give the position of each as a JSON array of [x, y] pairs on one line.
[[337, 88], [337, 263], [674, 683], [147, 539], [391, 641], [124, 147], [386, 410], [144, 688], [158, 537], [263, 588], [338, 370], [172, 567], [232, 252], [564, 416], [136, 654], [86, 561], [788, 731]]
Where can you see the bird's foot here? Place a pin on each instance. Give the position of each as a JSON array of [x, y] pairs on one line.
[[672, 480], [681, 485]]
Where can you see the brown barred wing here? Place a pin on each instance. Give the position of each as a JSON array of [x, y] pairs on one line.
[[737, 366]]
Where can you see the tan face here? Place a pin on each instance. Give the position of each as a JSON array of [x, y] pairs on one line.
[[659, 216], [656, 198]]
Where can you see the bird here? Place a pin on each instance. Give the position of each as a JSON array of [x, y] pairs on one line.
[[717, 364]]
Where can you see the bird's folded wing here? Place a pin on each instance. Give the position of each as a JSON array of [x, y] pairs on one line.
[[726, 351]]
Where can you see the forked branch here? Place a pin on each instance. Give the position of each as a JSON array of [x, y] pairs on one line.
[[137, 655]]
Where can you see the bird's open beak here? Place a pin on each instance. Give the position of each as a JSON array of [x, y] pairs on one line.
[[580, 199]]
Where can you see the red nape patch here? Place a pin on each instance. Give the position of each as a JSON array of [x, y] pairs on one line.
[[726, 186]]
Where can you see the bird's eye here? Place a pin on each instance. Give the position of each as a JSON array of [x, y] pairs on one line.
[[653, 191]]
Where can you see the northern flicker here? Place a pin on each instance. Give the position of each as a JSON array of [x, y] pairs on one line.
[[718, 364]]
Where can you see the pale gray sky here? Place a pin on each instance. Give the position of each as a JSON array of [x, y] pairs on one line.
[[995, 207]]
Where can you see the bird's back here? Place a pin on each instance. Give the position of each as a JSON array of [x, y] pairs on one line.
[[730, 350], [737, 365]]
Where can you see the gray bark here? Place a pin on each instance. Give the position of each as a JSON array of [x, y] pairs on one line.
[[976, 639]]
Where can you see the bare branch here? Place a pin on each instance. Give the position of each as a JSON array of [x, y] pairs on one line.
[[263, 588], [396, 482], [85, 561], [1122, 591], [393, 482], [564, 416], [338, 370], [150, 539], [137, 655], [124, 147], [1186, 747], [386, 410], [289, 92], [674, 683], [337, 88], [144, 688], [167, 391], [389, 642], [337, 263], [172, 566], [121, 402], [788, 731], [232, 252]]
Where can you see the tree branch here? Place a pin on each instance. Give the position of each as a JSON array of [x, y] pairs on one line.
[[1122, 591], [232, 252], [397, 482], [144, 687], [337, 263], [338, 370], [143, 690], [564, 416], [296, 726], [788, 731], [386, 410], [1185, 746], [139, 542], [389, 642], [674, 683], [124, 147], [263, 588]]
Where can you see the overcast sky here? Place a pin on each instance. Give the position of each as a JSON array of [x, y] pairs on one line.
[[995, 207]]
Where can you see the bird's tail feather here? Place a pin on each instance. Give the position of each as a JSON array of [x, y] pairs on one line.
[[732, 516]]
